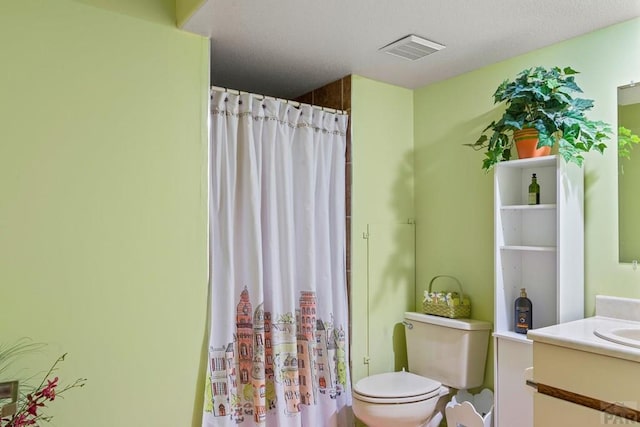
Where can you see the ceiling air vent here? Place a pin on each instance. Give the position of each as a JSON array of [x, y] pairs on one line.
[[412, 47]]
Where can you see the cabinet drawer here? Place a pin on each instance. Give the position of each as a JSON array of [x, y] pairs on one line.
[[552, 412], [594, 375]]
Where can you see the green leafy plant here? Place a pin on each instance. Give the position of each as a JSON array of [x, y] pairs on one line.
[[626, 141], [542, 98]]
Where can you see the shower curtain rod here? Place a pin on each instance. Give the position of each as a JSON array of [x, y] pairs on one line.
[[288, 101]]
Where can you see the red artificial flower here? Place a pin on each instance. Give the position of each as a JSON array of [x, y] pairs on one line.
[[49, 391], [28, 411]]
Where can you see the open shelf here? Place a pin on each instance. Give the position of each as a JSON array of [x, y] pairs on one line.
[[531, 162], [529, 248], [539, 248], [546, 206], [531, 241]]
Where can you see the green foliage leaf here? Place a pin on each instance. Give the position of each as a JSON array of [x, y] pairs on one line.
[[516, 124], [626, 142], [562, 98], [582, 104], [572, 85]]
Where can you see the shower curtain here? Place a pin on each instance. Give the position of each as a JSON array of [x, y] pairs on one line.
[[279, 325]]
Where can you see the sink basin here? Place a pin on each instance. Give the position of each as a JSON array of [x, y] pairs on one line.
[[625, 336]]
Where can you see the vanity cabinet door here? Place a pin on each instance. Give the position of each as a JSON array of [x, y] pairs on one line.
[[567, 375], [552, 412], [514, 399]]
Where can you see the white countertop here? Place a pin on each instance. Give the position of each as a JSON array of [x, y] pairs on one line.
[[578, 335], [611, 313]]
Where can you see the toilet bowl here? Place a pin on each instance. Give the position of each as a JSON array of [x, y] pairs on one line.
[[441, 353], [398, 399]]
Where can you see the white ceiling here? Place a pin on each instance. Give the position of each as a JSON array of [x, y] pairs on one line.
[[286, 48]]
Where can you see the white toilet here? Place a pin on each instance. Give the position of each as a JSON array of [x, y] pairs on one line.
[[442, 353]]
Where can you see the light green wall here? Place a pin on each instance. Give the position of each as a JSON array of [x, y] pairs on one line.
[[454, 196], [382, 285], [103, 208], [186, 8], [629, 178], [159, 11]]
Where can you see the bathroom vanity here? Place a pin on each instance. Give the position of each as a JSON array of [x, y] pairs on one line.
[[587, 372]]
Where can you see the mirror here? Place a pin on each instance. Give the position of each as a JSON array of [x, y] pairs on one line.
[[629, 174]]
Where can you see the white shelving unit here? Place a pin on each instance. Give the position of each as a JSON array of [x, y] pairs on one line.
[[540, 248]]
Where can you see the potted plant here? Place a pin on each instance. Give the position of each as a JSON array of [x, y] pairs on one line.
[[541, 110]]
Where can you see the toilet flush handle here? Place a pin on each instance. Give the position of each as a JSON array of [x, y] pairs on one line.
[[407, 324]]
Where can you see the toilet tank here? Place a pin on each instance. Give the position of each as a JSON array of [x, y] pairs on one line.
[[451, 351]]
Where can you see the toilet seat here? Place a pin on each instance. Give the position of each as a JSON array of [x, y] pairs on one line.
[[396, 387]]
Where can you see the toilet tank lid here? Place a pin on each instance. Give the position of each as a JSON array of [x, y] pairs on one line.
[[465, 324]]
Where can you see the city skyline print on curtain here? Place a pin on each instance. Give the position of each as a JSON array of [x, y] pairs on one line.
[[284, 351]]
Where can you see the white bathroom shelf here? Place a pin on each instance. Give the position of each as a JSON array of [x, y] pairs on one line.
[[529, 248], [540, 248], [536, 162], [529, 207], [512, 336]]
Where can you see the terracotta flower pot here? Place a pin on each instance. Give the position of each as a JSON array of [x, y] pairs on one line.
[[527, 142]]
